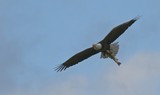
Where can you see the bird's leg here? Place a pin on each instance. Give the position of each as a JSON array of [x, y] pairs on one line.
[[116, 60], [103, 55], [113, 57]]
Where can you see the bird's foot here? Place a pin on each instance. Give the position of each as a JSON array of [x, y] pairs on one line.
[[119, 63]]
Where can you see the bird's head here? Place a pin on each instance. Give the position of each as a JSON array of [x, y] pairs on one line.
[[97, 46]]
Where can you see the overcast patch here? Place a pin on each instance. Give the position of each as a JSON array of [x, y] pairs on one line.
[[139, 76]]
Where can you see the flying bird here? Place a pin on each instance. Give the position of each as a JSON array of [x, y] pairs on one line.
[[105, 47]]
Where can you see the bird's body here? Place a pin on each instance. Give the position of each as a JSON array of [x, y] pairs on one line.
[[105, 46]]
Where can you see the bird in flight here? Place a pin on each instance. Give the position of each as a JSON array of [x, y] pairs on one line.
[[105, 47]]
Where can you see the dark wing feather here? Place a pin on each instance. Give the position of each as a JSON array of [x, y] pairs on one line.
[[117, 31], [77, 58]]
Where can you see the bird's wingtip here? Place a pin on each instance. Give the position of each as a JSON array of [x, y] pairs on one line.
[[137, 17], [60, 68]]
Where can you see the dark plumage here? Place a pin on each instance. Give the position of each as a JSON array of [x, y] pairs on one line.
[[103, 46]]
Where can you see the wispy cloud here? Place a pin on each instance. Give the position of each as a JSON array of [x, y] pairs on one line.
[[138, 76], [9, 61]]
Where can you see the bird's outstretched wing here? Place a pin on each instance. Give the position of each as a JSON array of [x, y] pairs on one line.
[[77, 58], [117, 31]]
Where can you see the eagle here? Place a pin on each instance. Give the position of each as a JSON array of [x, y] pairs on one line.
[[106, 47]]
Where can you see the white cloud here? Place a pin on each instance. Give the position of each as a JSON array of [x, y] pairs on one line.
[[138, 76]]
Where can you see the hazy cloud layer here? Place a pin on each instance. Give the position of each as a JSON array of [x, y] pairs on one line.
[[9, 61], [138, 76]]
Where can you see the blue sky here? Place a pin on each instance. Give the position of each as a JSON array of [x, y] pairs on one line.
[[38, 35]]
